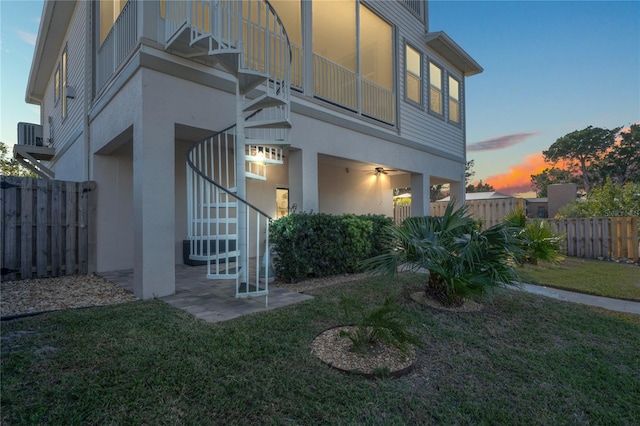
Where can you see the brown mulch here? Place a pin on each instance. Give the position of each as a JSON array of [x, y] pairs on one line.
[[53, 294], [336, 351]]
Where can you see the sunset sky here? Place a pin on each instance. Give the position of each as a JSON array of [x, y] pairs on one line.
[[550, 67]]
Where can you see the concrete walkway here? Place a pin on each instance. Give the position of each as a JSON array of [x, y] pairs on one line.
[[212, 301], [585, 299]]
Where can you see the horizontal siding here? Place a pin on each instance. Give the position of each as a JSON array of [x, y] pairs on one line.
[[416, 124], [62, 131]]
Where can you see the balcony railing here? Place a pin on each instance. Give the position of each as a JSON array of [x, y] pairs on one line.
[[297, 61], [340, 85], [117, 44], [377, 102], [334, 83]]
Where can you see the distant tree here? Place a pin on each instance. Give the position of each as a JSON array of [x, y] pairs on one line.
[[10, 166], [580, 150], [480, 187], [621, 164], [435, 193], [610, 200], [550, 176], [468, 171]]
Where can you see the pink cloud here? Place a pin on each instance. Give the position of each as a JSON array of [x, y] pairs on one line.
[[518, 178]]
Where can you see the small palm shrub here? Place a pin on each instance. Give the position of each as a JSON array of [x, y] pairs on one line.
[[539, 243], [380, 324], [462, 260], [537, 240]]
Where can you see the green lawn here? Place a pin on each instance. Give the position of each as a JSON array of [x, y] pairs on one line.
[[602, 278], [523, 359]]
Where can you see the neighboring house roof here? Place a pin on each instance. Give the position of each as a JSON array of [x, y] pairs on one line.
[[53, 26], [449, 49], [472, 196], [537, 200]]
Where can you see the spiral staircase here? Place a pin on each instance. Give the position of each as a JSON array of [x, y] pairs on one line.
[[247, 39]]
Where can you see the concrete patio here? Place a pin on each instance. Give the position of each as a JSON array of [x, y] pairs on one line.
[[211, 300]]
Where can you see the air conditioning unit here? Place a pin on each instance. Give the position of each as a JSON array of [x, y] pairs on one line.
[[29, 134]]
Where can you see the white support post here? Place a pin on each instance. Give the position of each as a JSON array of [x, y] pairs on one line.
[[242, 263]]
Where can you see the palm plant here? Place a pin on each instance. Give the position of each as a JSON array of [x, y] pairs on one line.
[[462, 260], [537, 240]]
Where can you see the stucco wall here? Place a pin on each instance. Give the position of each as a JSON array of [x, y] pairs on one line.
[[353, 191]]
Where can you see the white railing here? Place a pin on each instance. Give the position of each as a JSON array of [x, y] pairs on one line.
[[377, 102], [212, 212], [297, 69], [334, 83], [117, 44], [250, 28], [415, 6], [339, 85]]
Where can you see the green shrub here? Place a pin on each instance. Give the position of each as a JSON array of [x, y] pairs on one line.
[[537, 240], [462, 260], [319, 244], [381, 324], [539, 243]]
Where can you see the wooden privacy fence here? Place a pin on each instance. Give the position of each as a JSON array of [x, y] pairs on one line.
[[47, 227], [489, 212], [594, 237]]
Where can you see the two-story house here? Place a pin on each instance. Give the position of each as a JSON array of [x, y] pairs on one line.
[[201, 119]]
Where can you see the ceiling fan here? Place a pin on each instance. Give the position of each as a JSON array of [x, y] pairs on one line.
[[381, 171]]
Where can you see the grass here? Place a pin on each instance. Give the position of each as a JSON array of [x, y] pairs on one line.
[[610, 279], [523, 359]]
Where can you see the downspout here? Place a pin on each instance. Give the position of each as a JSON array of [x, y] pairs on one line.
[[88, 70]]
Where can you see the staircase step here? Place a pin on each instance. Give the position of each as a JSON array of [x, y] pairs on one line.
[[269, 143], [228, 58], [222, 276], [214, 220], [264, 101], [278, 123], [250, 175], [263, 160], [221, 237], [229, 204], [218, 256], [249, 80]]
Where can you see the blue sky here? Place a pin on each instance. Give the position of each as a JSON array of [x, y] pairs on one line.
[[550, 67]]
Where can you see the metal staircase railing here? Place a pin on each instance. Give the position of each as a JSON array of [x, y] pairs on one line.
[[249, 41]]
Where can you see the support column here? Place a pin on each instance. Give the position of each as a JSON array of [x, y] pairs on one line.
[[241, 190], [420, 202], [153, 207], [303, 180], [457, 192]]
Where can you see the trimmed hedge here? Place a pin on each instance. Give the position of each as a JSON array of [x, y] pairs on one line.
[[319, 244]]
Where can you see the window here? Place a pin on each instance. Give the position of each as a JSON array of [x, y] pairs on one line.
[[413, 67], [376, 66], [109, 12], [290, 13], [454, 100], [56, 85], [282, 202], [334, 48], [435, 89], [64, 83], [353, 58]]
